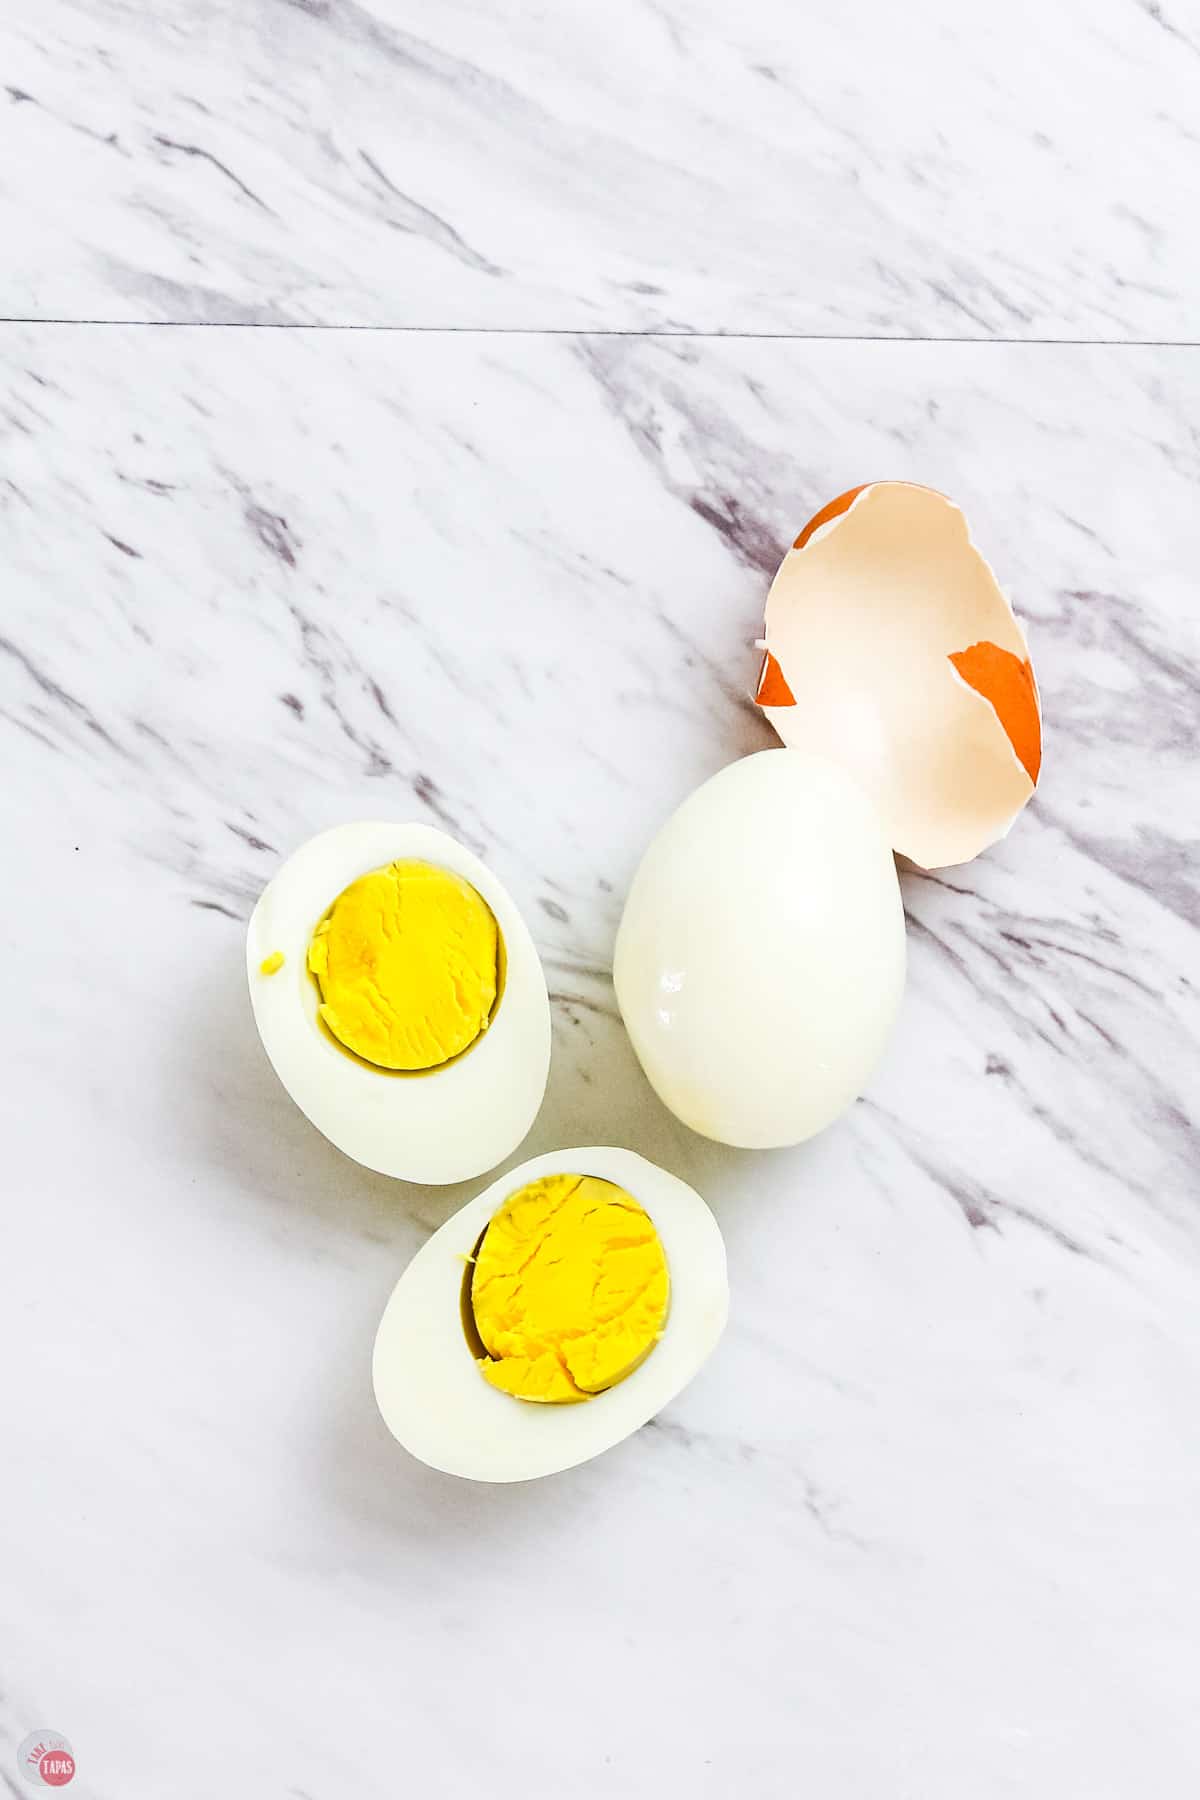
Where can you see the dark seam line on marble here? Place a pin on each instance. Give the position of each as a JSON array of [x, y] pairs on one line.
[[619, 331]]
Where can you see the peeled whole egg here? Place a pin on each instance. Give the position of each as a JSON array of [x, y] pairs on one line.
[[760, 958], [427, 1375], [437, 1124]]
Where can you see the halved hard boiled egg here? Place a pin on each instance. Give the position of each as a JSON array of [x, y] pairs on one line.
[[890, 648], [760, 959], [400, 999], [551, 1317]]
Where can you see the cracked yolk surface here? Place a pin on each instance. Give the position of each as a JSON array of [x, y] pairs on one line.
[[407, 964], [569, 1290]]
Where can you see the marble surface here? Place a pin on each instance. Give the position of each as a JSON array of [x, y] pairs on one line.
[[925, 1526], [1026, 171]]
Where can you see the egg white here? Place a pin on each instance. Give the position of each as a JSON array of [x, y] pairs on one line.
[[430, 1391], [439, 1126]]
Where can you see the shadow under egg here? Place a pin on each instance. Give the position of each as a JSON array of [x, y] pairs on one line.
[[466, 1305]]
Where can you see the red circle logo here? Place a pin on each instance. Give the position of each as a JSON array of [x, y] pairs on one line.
[[56, 1767], [46, 1759]]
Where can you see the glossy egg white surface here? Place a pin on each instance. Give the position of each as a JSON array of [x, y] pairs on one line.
[[430, 1391], [760, 959], [441, 1125]]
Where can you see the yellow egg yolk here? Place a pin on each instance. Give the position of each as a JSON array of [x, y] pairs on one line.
[[407, 964], [271, 965], [570, 1289]]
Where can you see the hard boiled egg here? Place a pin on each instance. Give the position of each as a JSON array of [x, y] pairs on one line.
[[760, 958], [400, 999], [551, 1317]]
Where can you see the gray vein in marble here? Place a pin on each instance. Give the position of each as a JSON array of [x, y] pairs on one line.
[[203, 155], [1158, 866], [409, 215], [980, 1207], [59, 696], [585, 1002], [741, 1452], [183, 302], [1021, 992], [1154, 10]]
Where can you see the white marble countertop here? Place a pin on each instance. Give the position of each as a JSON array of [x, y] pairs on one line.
[[932, 168], [925, 1527]]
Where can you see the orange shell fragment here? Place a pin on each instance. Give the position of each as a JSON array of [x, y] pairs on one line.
[[1008, 683], [773, 690], [834, 510]]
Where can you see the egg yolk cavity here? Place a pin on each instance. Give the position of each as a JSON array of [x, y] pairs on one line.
[[407, 962], [568, 1290]]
